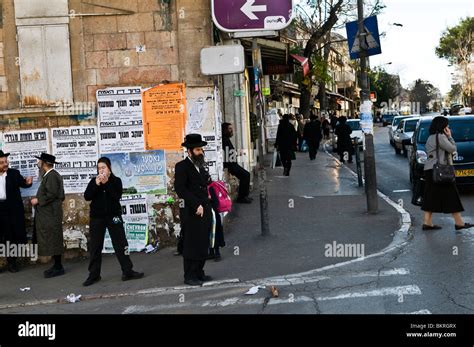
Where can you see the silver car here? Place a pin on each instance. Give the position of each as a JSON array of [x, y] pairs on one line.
[[393, 127], [404, 131]]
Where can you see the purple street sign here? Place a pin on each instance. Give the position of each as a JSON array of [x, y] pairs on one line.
[[252, 15]]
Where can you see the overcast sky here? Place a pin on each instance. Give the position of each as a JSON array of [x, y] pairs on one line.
[[411, 48]]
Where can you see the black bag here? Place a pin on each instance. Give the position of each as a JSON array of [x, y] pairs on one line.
[[442, 174], [418, 192]]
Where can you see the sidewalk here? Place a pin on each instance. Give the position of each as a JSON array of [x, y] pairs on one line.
[[320, 203]]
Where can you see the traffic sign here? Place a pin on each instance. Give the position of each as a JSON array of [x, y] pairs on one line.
[[372, 39], [222, 60], [251, 15]]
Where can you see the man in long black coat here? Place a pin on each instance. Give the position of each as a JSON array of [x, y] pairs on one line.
[[12, 212], [312, 135], [191, 180], [285, 143], [344, 141]]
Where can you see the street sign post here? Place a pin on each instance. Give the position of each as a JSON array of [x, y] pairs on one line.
[[368, 40], [251, 15]]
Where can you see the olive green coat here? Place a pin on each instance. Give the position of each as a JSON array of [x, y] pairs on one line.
[[49, 215]]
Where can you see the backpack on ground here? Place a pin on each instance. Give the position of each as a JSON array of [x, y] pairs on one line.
[[224, 202]]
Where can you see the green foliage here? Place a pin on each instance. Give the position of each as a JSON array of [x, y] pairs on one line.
[[384, 84], [422, 92], [456, 43]]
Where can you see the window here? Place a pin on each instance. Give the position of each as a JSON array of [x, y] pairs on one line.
[[44, 51]]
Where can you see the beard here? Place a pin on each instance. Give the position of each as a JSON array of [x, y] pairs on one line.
[[198, 160], [41, 172]]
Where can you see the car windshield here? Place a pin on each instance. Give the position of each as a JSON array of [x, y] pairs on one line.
[[462, 131], [397, 121], [410, 125], [354, 125]]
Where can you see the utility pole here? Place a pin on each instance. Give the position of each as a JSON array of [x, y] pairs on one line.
[[262, 175], [369, 155]]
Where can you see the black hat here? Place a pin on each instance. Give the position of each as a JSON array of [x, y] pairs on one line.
[[2, 155], [47, 158], [193, 141]]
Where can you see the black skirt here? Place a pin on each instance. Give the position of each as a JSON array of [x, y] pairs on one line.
[[441, 198]]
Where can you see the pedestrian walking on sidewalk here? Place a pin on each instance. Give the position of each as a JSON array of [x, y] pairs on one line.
[[12, 212], [301, 125], [286, 143], [312, 135], [48, 205], [104, 192], [344, 141], [326, 127], [191, 181], [230, 163], [441, 198]]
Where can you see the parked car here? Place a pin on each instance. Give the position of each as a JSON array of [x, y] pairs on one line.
[[393, 127], [404, 131], [465, 110], [462, 129], [454, 109], [387, 117]]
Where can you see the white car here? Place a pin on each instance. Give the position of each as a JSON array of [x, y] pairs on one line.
[[393, 127], [404, 131]]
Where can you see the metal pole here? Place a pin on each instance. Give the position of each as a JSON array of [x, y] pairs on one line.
[[262, 175], [358, 166], [369, 155]]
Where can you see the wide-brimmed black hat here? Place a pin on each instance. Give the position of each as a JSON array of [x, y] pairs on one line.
[[2, 155], [47, 158], [193, 141]]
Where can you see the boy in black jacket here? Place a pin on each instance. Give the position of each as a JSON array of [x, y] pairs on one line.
[[105, 192]]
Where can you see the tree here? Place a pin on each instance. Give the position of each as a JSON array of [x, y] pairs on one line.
[[384, 84], [456, 45], [423, 92], [455, 93]]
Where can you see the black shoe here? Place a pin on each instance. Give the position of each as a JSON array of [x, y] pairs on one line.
[[245, 200], [205, 278], [217, 258], [132, 275], [431, 227], [193, 282], [465, 226], [12, 268], [54, 273], [49, 271], [91, 280]]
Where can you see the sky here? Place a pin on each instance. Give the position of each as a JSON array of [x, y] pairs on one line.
[[411, 48]]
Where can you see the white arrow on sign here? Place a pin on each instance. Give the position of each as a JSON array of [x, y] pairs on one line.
[[249, 8]]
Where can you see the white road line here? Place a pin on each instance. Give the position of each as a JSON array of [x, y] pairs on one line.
[[419, 312], [237, 301], [402, 191]]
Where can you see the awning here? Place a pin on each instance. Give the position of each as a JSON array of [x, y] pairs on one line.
[[339, 96], [304, 63]]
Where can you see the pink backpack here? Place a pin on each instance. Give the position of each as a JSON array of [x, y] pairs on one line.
[[224, 202]]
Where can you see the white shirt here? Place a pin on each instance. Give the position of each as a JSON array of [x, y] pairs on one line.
[[3, 186]]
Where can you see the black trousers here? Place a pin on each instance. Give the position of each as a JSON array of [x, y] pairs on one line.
[[285, 157], [313, 149], [243, 176], [119, 242], [193, 269], [6, 229]]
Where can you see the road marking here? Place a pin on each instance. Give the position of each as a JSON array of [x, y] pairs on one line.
[[237, 301], [402, 191], [419, 312]]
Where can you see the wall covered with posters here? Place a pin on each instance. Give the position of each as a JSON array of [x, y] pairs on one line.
[[151, 211]]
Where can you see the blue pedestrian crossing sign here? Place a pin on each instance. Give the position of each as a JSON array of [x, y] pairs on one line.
[[370, 41]]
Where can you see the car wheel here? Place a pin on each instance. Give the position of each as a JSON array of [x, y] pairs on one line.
[[397, 151]]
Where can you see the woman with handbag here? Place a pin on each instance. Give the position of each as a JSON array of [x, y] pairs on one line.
[[441, 194]]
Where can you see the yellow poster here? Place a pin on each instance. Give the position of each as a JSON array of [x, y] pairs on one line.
[[164, 116]]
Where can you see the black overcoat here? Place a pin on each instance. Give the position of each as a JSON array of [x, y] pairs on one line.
[[16, 211], [191, 186]]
